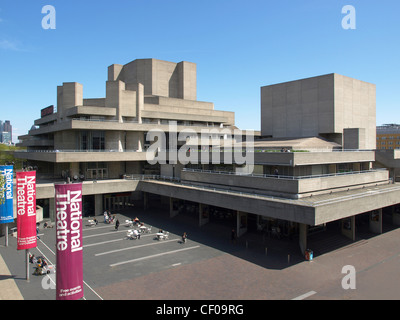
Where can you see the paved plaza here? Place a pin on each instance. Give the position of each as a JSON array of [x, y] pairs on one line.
[[208, 266]]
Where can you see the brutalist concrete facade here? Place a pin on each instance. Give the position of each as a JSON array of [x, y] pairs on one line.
[[320, 106]]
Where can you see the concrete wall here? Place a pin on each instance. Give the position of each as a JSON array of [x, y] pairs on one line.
[[322, 105], [310, 158], [355, 107], [69, 95], [160, 78], [354, 138], [284, 187]]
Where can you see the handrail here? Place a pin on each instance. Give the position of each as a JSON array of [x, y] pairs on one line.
[[277, 176]]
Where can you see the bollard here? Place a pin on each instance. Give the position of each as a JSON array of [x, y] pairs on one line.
[[247, 244], [288, 258], [266, 251]]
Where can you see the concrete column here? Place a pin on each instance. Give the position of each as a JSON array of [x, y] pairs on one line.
[[303, 229], [98, 204], [241, 224], [107, 204], [204, 216], [375, 221], [349, 228], [395, 216], [172, 211], [145, 200], [52, 209], [114, 140], [74, 169]]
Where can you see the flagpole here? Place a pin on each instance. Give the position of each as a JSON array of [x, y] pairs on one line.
[[27, 263], [6, 238]]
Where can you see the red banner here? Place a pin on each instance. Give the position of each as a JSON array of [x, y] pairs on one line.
[[69, 275], [26, 210]]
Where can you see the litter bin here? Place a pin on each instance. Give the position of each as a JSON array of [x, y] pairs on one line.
[[308, 255]]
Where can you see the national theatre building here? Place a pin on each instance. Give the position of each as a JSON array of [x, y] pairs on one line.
[[313, 162]]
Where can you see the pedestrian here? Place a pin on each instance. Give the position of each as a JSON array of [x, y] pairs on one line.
[[116, 225], [105, 217], [184, 237]]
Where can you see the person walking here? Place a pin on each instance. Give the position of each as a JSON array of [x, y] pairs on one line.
[[184, 237], [116, 225]]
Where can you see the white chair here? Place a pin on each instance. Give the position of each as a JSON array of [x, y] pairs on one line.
[[148, 230], [130, 235], [166, 235], [129, 223], [91, 223]]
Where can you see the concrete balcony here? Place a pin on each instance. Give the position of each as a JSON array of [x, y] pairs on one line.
[[285, 186], [36, 143], [61, 156], [309, 158], [46, 190], [114, 125]]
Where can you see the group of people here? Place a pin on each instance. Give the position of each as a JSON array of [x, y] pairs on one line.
[[40, 264], [108, 218]]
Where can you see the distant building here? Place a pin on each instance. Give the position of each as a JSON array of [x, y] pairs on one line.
[[388, 136], [6, 132]]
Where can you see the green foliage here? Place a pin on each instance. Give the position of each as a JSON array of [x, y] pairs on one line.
[[7, 156]]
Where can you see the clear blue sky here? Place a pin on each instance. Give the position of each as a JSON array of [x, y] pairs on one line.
[[238, 47]]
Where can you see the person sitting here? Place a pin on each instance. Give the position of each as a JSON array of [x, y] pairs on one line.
[[136, 234], [47, 225], [136, 220]]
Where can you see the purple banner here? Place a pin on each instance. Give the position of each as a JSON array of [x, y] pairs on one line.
[[69, 275], [26, 210]]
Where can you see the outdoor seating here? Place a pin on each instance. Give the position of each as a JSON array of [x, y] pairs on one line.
[[129, 223], [131, 235], [92, 223]]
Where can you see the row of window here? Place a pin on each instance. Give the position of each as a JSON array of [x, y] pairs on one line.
[[389, 142], [384, 138]]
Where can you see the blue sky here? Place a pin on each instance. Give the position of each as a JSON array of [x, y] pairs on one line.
[[238, 47]]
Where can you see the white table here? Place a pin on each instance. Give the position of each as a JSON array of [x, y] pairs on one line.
[[160, 235]]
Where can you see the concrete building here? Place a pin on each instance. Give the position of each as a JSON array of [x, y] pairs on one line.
[[6, 132], [388, 145], [388, 137], [333, 106], [312, 166]]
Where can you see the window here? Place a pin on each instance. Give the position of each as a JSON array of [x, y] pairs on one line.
[[91, 140]]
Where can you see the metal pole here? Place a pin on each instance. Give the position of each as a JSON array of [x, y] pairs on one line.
[[6, 238], [27, 264]]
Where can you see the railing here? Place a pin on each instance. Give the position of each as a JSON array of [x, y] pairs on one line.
[[277, 176], [202, 187], [78, 151]]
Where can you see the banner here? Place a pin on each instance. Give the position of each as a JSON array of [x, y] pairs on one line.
[[69, 275], [6, 194], [26, 210]]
